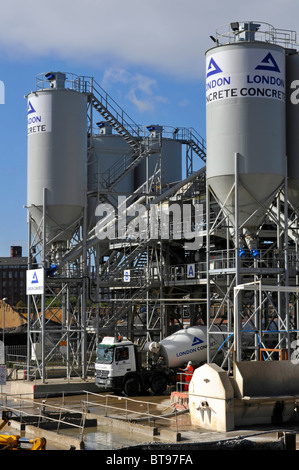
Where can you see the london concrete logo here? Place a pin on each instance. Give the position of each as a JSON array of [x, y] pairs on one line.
[[262, 76], [163, 221], [2, 92]]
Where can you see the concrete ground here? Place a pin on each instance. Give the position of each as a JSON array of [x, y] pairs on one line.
[[121, 429]]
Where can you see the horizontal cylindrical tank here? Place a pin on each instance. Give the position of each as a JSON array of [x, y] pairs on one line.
[[245, 115], [189, 344], [292, 126], [57, 150]]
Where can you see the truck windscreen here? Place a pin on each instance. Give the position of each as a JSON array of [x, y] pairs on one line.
[[105, 354]]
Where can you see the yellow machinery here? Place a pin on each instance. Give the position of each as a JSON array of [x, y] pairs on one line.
[[11, 442]]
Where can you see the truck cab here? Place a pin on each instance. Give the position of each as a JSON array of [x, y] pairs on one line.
[[119, 368], [115, 359]]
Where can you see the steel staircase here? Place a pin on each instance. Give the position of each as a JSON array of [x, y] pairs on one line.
[[124, 307], [115, 115], [197, 144], [120, 168], [132, 134], [126, 128], [134, 258]]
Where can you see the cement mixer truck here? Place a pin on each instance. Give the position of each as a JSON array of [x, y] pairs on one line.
[[121, 366]]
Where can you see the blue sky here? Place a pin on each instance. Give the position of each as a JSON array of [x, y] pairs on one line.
[[149, 56]]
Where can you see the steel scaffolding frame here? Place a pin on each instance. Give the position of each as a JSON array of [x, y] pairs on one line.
[[79, 290], [248, 322]]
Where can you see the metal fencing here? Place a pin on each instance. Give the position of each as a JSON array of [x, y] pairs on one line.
[[44, 415], [135, 410], [95, 406], [16, 354]]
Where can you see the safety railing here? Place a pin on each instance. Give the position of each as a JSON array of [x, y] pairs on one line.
[[86, 84], [282, 353], [154, 415], [148, 412], [112, 107], [184, 272], [254, 31], [224, 259], [44, 415]]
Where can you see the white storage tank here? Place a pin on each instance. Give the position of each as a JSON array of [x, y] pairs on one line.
[[57, 150], [292, 126], [164, 148], [245, 114], [106, 161]]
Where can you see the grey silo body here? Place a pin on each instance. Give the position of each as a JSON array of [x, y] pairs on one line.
[[241, 120], [107, 149], [57, 159], [292, 127], [171, 161]]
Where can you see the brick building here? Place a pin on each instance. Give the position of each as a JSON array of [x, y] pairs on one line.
[[13, 276]]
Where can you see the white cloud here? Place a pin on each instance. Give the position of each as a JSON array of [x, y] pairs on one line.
[[169, 36], [184, 103], [140, 88]]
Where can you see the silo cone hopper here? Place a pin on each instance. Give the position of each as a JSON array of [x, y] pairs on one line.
[[255, 194]]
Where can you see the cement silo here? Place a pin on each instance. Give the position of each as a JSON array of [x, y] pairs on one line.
[[57, 149], [292, 125], [107, 154], [245, 115], [164, 153]]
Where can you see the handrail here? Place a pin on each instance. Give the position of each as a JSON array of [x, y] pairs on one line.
[[283, 355], [110, 104], [265, 32], [137, 415], [88, 85], [41, 412]]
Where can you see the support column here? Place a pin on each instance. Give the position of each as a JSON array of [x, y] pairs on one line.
[[43, 303], [237, 319]]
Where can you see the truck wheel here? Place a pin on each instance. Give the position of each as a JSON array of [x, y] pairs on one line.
[[131, 386], [158, 384]]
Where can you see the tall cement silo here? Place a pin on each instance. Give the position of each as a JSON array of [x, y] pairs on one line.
[[57, 149], [245, 116], [292, 125]]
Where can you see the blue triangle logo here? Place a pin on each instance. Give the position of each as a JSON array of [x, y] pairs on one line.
[[196, 341], [213, 68], [34, 279], [30, 108], [191, 272], [268, 63]]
